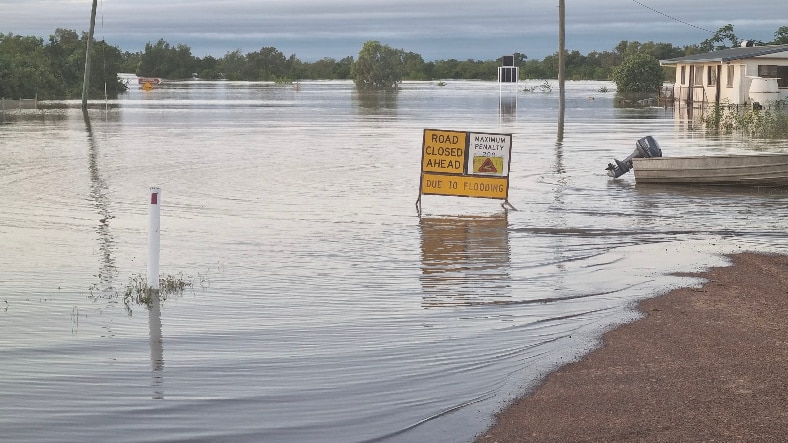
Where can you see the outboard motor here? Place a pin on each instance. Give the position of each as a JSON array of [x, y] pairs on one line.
[[646, 147]]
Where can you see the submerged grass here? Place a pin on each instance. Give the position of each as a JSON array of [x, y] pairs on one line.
[[138, 292], [754, 122]]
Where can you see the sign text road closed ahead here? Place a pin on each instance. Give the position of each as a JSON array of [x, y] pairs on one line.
[[465, 164], [444, 151]]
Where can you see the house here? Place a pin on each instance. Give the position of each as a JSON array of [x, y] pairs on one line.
[[740, 76]]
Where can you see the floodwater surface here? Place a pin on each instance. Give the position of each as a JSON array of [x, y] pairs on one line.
[[320, 306]]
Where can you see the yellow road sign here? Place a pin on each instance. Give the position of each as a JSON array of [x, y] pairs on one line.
[[465, 186], [443, 151], [465, 164]]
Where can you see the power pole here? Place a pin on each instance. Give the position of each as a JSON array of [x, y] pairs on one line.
[[86, 80], [561, 67]]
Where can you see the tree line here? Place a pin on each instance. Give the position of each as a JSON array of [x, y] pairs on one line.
[[54, 69], [29, 67]]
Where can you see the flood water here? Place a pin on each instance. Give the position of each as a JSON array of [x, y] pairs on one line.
[[321, 306]]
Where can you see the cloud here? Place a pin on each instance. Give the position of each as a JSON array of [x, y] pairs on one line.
[[440, 29]]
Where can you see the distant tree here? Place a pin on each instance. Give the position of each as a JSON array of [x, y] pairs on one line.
[[781, 36], [232, 65], [130, 61], [25, 70], [535, 69], [626, 48], [107, 62], [413, 66], [378, 66], [208, 68], [164, 60], [298, 70], [66, 52], [323, 69], [55, 70], [577, 65], [575, 62], [344, 68], [268, 63], [446, 69], [718, 40], [639, 72]]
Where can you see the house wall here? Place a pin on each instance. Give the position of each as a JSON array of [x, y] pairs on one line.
[[751, 70], [734, 92], [698, 85]]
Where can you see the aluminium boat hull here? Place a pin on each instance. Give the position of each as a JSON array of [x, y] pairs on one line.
[[735, 170]]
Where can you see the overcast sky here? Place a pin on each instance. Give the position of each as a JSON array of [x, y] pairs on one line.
[[436, 29]]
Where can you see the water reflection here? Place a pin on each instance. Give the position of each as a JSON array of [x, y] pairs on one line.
[[559, 157], [560, 249], [635, 100], [156, 346], [98, 194], [688, 117], [375, 101], [465, 260], [507, 107]]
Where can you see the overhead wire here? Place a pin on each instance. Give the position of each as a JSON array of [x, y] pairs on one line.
[[673, 18]]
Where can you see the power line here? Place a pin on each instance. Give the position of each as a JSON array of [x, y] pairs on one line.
[[673, 18]]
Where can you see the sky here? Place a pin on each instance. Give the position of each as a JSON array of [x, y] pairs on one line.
[[435, 29]]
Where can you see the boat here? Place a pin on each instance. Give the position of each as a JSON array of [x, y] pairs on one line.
[[765, 170]]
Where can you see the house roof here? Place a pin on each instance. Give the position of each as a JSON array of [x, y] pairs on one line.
[[726, 55]]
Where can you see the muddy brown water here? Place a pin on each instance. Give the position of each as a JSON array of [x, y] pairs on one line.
[[322, 306]]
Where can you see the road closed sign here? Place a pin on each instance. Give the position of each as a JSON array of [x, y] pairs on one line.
[[465, 164], [444, 151]]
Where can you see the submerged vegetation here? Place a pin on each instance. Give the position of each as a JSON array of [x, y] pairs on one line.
[[771, 122], [638, 72], [137, 292], [378, 66], [544, 87]]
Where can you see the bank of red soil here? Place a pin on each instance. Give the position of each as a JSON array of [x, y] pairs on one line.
[[704, 364]]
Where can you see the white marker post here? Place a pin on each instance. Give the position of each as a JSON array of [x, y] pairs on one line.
[[153, 238]]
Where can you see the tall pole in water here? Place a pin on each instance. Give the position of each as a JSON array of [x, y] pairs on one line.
[[86, 80], [561, 68]]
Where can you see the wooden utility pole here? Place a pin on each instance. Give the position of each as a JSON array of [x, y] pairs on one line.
[[561, 68], [86, 80]]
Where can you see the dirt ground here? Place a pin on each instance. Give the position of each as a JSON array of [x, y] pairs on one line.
[[705, 364]]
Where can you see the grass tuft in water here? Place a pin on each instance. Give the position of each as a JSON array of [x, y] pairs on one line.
[[544, 87], [138, 292]]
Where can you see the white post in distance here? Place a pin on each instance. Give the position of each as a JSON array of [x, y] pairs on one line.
[[154, 223]]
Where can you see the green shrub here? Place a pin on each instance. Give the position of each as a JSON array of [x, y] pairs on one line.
[[638, 73]]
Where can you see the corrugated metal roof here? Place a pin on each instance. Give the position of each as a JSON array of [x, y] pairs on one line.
[[727, 55]]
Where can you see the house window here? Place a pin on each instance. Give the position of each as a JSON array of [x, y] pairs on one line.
[[775, 71], [683, 75], [712, 77], [731, 72], [698, 75]]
